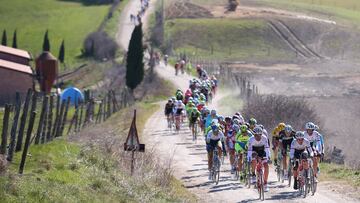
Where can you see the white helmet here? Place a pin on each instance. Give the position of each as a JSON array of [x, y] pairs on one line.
[[299, 134], [310, 126]]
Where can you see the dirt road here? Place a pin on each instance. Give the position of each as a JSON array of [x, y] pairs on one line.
[[190, 162], [189, 159]]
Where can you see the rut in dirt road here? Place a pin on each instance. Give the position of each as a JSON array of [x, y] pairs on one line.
[[290, 38]]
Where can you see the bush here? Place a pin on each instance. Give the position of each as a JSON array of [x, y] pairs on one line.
[[100, 46], [270, 110]]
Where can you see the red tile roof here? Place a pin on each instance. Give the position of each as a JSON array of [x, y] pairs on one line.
[[15, 52], [15, 66]]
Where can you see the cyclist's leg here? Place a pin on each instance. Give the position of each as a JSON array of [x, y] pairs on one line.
[[266, 171], [210, 156], [275, 150], [240, 161]]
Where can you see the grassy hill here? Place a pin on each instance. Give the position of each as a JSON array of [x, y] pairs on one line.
[[343, 10], [67, 20], [229, 39]]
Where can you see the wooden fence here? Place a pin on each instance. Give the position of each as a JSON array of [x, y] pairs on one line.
[[48, 117]]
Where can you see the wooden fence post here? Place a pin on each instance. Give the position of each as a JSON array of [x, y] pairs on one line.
[[58, 125], [81, 116], [63, 123], [27, 142], [46, 115], [108, 112], [4, 134], [73, 120], [41, 120], [14, 127], [98, 116], [50, 111], [23, 121], [56, 122]]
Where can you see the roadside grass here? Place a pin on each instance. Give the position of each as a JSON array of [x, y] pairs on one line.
[[71, 21], [333, 172], [112, 24], [230, 103], [347, 10], [226, 39]]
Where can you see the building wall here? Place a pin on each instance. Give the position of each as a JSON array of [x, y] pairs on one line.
[[12, 82], [15, 59]]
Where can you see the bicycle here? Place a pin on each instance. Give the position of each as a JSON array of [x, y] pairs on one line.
[[259, 176], [169, 122], [303, 177], [279, 168], [289, 173], [235, 165], [215, 169], [177, 123], [313, 183], [195, 131]]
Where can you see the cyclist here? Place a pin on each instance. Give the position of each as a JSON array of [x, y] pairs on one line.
[[178, 111], [275, 140], [252, 124], [213, 139], [182, 66], [169, 109], [298, 146], [199, 70], [177, 66], [315, 142], [214, 84], [166, 59], [321, 141], [286, 137], [213, 115], [179, 95], [194, 115], [259, 144], [230, 144], [242, 139]]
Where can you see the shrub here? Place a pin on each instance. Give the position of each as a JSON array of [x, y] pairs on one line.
[[100, 46], [270, 110]]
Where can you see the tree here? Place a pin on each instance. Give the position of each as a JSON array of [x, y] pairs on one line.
[[134, 59], [14, 45], [62, 52], [4, 38], [46, 43]]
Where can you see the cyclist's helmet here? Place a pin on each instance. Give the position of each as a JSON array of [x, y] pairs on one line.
[[261, 126], [221, 118], [236, 121], [236, 128], [198, 66], [227, 118], [252, 121], [237, 113], [310, 126], [169, 100], [213, 112], [214, 122], [243, 128], [299, 135], [215, 126], [281, 126], [173, 98], [317, 127], [258, 131], [288, 128], [235, 117]]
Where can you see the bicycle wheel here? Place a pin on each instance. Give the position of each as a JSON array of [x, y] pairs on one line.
[[289, 174], [195, 131], [306, 182], [217, 170], [278, 172], [261, 185], [312, 182], [248, 175]]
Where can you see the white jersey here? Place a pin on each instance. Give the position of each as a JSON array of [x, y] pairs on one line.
[[212, 136], [263, 142], [315, 138], [296, 146]]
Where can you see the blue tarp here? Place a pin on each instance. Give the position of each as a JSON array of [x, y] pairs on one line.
[[76, 96]]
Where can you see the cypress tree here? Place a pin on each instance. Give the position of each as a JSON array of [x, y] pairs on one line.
[[62, 52], [4, 38], [14, 45], [134, 60], [46, 43]]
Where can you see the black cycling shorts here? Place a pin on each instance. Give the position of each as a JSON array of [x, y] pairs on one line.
[[260, 151], [286, 145]]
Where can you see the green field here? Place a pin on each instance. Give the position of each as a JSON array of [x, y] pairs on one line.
[[71, 21], [226, 39], [347, 10]]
